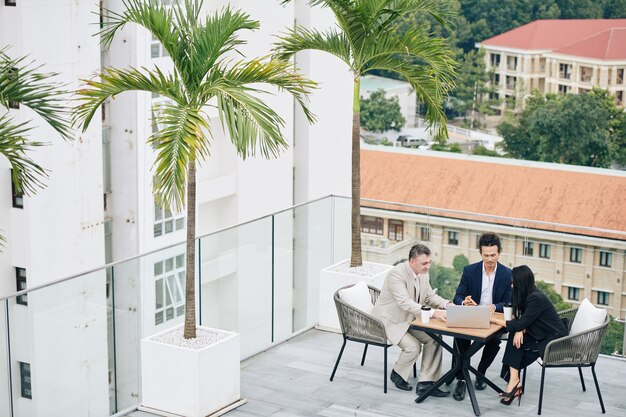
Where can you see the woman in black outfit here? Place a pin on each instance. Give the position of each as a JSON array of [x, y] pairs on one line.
[[535, 323]]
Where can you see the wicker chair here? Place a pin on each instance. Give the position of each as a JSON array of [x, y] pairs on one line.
[[573, 351], [358, 326]]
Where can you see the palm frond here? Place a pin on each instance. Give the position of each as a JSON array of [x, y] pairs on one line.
[[251, 124], [274, 72], [27, 175], [22, 83], [299, 39], [116, 81], [181, 140]]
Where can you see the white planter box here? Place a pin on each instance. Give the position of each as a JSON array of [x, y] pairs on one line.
[[331, 281], [178, 381]]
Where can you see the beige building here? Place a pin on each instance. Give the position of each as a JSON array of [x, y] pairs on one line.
[[558, 56], [567, 223]]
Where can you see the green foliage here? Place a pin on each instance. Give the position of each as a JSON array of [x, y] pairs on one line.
[[445, 279], [380, 114], [579, 129], [613, 339], [459, 262], [553, 296], [472, 85], [481, 150], [386, 142], [446, 147]]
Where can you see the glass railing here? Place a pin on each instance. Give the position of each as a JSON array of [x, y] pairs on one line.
[[71, 348]]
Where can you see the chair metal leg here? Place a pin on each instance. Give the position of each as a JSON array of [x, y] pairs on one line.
[[523, 371], [414, 371], [595, 380], [364, 353], [543, 374], [385, 370], [582, 381], [338, 359]]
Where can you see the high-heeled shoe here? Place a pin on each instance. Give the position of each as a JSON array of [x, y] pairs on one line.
[[510, 396]]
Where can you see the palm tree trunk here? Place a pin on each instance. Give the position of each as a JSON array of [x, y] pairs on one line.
[[355, 256], [190, 270]]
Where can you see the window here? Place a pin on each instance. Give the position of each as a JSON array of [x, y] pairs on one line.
[[169, 284], [575, 255], [494, 60], [511, 63], [573, 293], [10, 2], [603, 298], [372, 225], [20, 275], [511, 82], [619, 98], [25, 382], [166, 221], [453, 238], [395, 230], [565, 71], [425, 233], [510, 101], [620, 76], [544, 250], [18, 198], [585, 74], [496, 79], [528, 248], [606, 259], [564, 89]]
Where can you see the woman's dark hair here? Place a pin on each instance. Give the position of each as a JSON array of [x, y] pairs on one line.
[[523, 285]]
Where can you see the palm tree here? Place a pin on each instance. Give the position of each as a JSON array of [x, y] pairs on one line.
[[21, 84], [365, 39], [204, 75]]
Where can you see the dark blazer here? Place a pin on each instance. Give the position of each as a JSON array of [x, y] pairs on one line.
[[540, 319], [472, 284]]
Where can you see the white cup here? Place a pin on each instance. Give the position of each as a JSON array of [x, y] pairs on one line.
[[425, 315], [508, 313]]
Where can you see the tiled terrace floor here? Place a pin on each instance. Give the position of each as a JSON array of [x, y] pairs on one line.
[[292, 379]]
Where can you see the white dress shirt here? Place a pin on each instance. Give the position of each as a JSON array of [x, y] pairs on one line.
[[486, 293]]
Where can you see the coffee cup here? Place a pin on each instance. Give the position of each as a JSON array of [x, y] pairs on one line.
[[508, 312], [425, 314]]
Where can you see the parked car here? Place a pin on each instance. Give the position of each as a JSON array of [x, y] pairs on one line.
[[409, 141]]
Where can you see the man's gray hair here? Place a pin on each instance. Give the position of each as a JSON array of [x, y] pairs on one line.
[[417, 250]]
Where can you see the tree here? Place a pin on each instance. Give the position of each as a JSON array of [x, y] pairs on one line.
[[579, 129], [459, 262], [614, 339], [21, 84], [473, 86], [481, 150], [445, 279], [365, 40], [204, 74], [380, 114], [553, 296]]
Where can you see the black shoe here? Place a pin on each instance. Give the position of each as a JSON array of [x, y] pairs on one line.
[[480, 384], [459, 390], [422, 387], [400, 383]]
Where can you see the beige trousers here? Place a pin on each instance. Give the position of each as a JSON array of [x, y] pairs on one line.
[[411, 345]]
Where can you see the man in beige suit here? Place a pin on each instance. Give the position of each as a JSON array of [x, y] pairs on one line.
[[405, 290]]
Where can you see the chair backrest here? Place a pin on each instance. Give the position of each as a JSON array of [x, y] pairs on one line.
[[577, 349], [567, 316], [358, 325]]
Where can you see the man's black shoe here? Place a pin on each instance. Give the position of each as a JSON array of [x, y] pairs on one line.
[[422, 387], [400, 383], [480, 384], [459, 390]]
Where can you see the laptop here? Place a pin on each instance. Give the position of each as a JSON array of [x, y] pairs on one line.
[[474, 317]]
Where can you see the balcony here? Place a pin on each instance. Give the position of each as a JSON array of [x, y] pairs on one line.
[[80, 336]]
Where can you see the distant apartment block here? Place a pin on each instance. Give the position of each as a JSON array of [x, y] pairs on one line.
[[557, 56], [583, 261]]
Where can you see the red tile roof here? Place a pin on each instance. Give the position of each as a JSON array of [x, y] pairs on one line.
[[541, 192], [593, 38]]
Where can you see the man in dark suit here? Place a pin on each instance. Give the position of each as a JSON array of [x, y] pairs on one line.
[[487, 282]]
